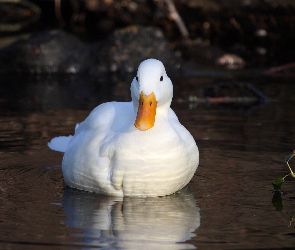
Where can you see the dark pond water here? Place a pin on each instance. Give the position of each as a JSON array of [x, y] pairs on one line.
[[229, 203]]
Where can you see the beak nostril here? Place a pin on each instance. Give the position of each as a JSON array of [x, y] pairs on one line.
[[146, 113]]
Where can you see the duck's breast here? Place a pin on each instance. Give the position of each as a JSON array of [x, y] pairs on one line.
[[158, 161]]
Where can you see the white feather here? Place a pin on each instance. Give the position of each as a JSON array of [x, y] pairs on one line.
[[109, 155], [60, 143]]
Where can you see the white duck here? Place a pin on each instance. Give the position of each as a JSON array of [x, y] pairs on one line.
[[136, 148]]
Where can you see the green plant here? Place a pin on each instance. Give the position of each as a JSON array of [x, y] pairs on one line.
[[278, 182]]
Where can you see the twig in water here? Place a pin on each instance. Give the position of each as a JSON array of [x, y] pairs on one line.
[[280, 69]]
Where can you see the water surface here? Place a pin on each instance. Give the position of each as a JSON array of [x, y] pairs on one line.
[[228, 205]]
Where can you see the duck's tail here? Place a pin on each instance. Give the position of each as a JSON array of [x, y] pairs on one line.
[[60, 143]]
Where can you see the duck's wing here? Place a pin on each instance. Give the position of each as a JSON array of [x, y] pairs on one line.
[[111, 116]]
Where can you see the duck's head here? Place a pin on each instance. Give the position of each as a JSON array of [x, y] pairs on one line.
[[151, 91]]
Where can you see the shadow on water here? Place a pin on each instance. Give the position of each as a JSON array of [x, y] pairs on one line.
[[240, 154]]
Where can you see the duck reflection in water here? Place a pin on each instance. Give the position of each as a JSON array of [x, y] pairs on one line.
[[133, 223]]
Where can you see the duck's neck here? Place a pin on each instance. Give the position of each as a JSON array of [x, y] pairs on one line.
[[163, 109]]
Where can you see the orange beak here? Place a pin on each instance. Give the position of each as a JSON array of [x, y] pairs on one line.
[[146, 112]]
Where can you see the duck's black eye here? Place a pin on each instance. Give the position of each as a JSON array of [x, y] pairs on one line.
[[161, 78], [136, 78]]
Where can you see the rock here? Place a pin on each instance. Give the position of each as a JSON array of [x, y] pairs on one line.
[[230, 61], [123, 50], [210, 57], [59, 52], [46, 52]]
